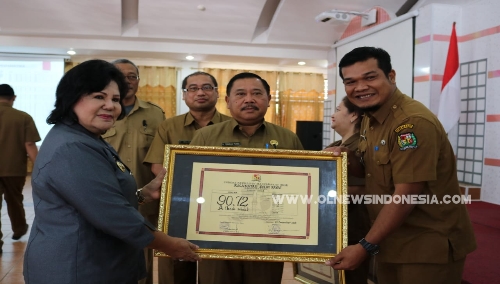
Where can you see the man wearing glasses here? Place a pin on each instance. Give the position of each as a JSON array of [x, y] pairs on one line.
[[131, 138], [199, 91]]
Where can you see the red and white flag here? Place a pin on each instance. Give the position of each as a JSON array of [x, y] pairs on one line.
[[449, 101]]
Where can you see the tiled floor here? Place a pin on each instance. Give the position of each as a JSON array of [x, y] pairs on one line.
[[11, 266]]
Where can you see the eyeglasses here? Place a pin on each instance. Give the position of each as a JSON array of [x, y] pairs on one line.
[[132, 78], [204, 88]]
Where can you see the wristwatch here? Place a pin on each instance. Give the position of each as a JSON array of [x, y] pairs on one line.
[[140, 198], [370, 248]]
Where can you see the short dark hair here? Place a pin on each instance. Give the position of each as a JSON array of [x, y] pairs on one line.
[[83, 79], [125, 61], [352, 108], [364, 53], [245, 75], [6, 91], [184, 82]]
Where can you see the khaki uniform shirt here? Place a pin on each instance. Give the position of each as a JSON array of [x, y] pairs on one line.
[[228, 134], [176, 130], [132, 136], [16, 128], [403, 142]]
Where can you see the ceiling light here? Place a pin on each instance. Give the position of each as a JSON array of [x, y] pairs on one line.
[[189, 57], [71, 52], [301, 63]]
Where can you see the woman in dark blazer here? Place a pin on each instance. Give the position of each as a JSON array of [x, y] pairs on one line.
[[87, 228]]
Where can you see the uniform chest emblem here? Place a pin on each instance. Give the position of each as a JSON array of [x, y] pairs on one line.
[[407, 141], [274, 143], [121, 166]]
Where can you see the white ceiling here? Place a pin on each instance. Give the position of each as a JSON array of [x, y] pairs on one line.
[[273, 32]]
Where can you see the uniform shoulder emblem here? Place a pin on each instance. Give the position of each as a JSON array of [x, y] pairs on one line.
[[403, 126], [407, 141], [153, 104]]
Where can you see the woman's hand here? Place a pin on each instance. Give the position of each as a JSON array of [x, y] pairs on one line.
[[183, 250], [176, 248], [152, 190]]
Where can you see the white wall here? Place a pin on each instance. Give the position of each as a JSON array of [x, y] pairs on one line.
[[478, 31], [479, 38]]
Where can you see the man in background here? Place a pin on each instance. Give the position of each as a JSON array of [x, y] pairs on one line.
[[247, 99], [199, 91], [18, 135], [131, 138]]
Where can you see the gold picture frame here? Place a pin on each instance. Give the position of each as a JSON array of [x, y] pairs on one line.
[[276, 231]]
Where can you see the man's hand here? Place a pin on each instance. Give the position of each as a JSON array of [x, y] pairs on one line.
[[353, 162], [152, 190], [337, 150], [349, 258]]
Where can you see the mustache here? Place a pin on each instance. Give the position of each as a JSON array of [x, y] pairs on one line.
[[254, 107]]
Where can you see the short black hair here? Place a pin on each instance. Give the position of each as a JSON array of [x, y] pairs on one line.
[[245, 75], [125, 61], [6, 91], [85, 78], [364, 53], [184, 82]]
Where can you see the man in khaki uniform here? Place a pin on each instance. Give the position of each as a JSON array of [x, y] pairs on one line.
[[248, 97], [18, 135], [131, 138], [200, 94], [406, 153]]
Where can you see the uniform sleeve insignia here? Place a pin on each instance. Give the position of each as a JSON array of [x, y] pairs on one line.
[[407, 141], [403, 126]]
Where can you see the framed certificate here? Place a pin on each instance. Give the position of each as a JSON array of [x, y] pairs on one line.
[[317, 273], [255, 204]]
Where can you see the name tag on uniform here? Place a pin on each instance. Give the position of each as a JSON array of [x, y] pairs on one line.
[[231, 144], [184, 142]]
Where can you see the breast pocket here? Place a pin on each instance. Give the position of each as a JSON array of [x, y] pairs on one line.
[[147, 136], [384, 168]]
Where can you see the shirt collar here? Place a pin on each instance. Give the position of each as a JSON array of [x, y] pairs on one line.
[[190, 119], [236, 126], [389, 106], [139, 104]]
